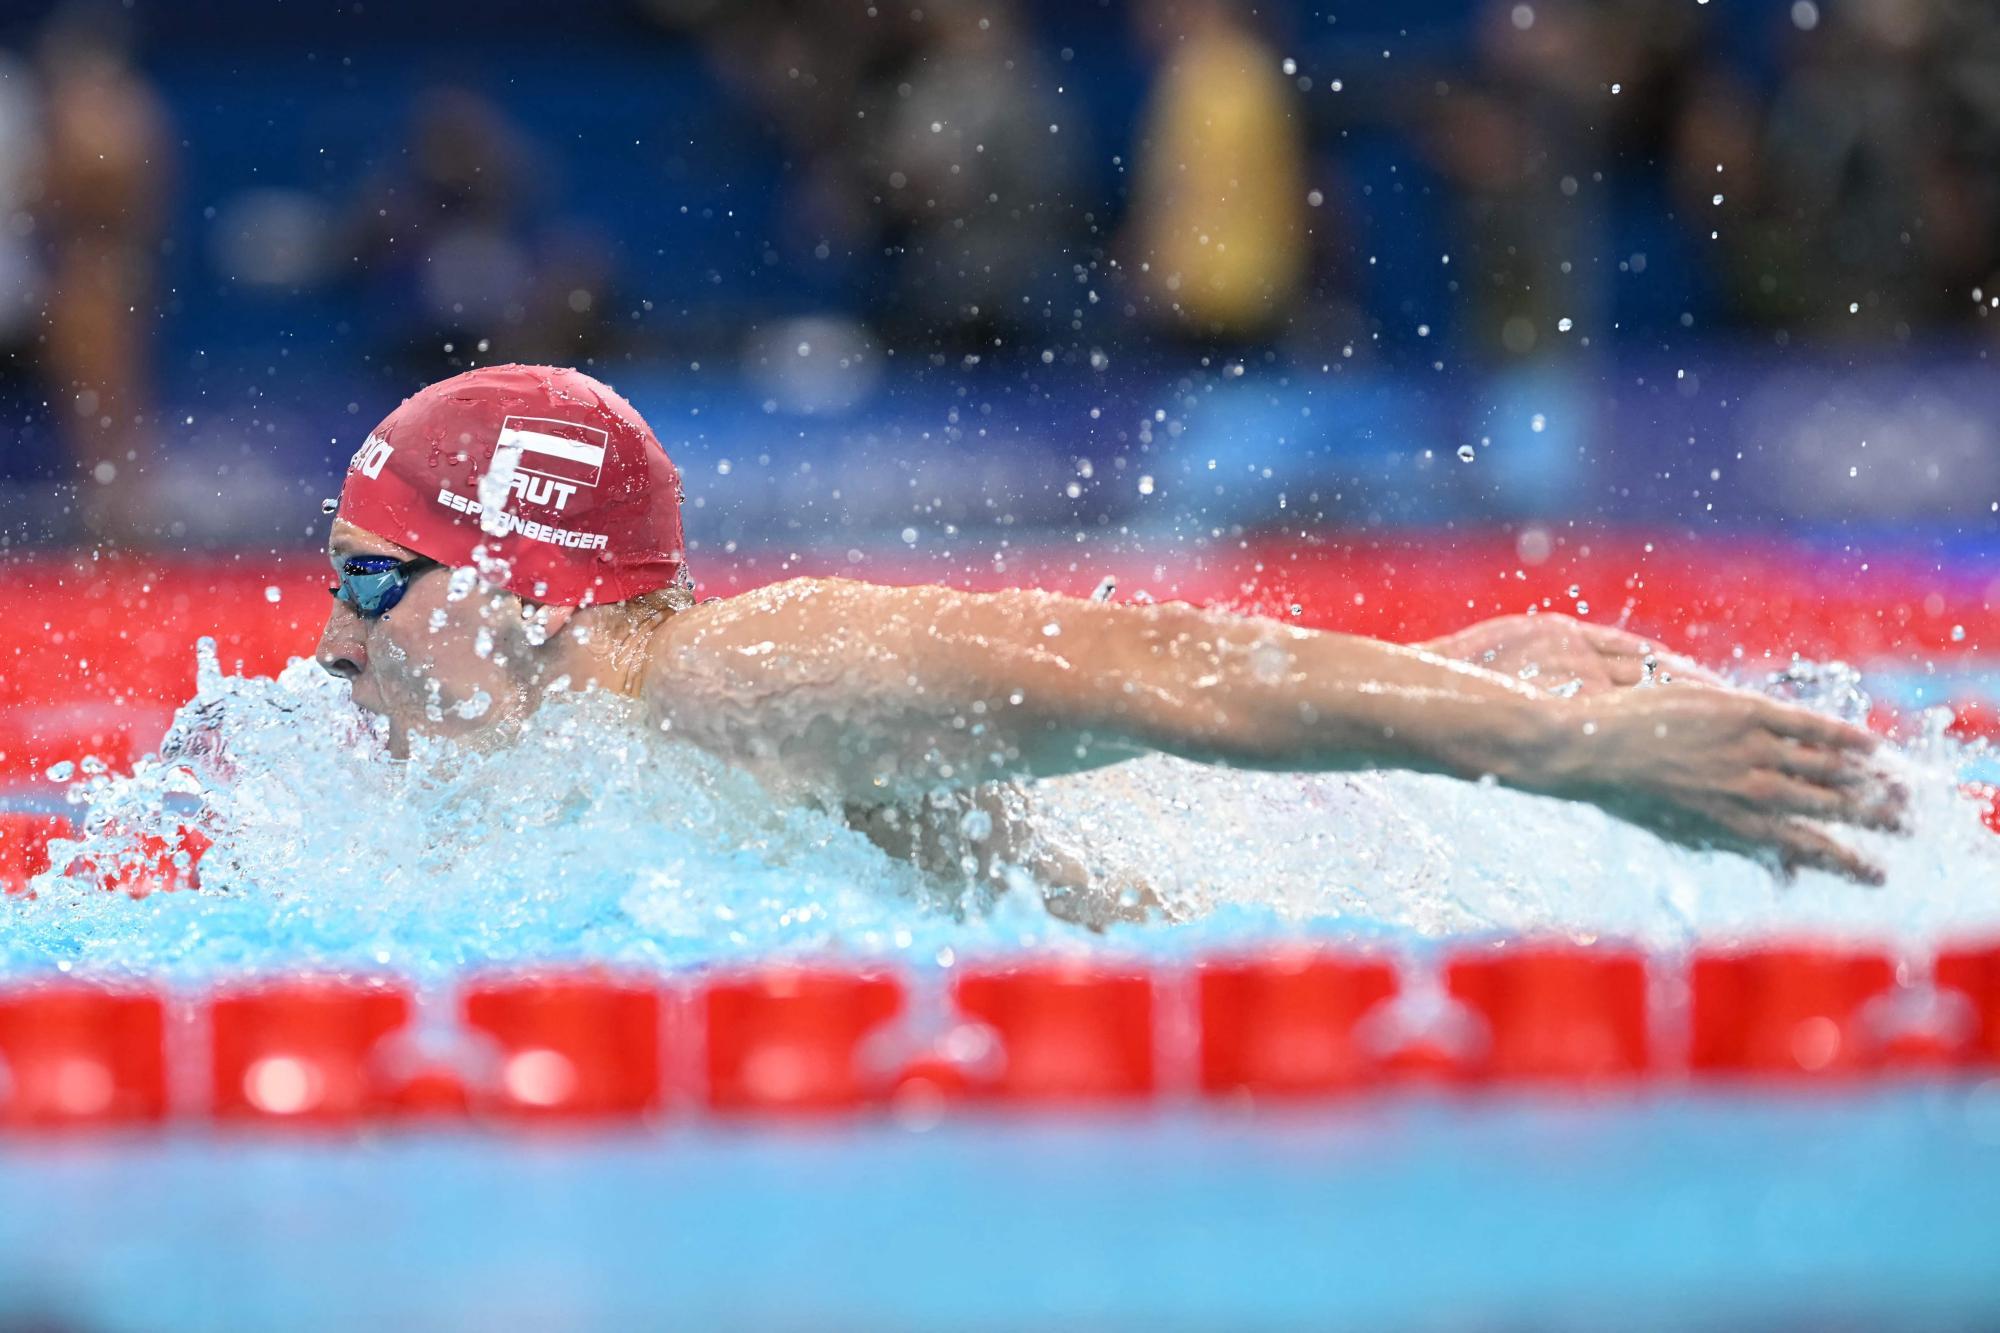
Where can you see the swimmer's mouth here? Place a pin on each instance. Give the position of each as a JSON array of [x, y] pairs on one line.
[[366, 703]]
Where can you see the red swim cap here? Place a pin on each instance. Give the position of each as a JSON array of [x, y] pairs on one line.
[[552, 473]]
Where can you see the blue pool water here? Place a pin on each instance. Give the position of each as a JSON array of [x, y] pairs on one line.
[[1856, 1212]]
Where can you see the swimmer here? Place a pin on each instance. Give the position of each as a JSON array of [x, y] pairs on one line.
[[516, 530]]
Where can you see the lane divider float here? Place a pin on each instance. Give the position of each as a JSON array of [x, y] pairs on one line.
[[588, 1046]]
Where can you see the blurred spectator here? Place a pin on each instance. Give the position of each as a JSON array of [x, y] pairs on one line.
[[1869, 202], [804, 66], [1567, 94], [457, 248], [972, 161], [931, 137], [106, 181], [22, 276], [1217, 224]]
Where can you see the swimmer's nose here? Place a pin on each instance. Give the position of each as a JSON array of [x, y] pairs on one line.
[[340, 648]]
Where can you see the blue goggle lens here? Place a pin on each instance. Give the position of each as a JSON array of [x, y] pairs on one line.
[[373, 584]]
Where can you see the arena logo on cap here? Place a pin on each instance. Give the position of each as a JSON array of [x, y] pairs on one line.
[[369, 458]]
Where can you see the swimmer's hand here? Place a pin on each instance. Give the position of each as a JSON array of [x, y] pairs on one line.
[[1564, 655], [1706, 764]]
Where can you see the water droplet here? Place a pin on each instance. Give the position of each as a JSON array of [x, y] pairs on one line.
[[1565, 324], [62, 772], [1465, 453], [1538, 424], [273, 594], [1958, 634], [1146, 484]]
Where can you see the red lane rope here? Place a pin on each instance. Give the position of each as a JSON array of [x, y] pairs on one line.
[[1288, 1023]]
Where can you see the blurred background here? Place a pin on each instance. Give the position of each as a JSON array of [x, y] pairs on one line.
[[924, 275]]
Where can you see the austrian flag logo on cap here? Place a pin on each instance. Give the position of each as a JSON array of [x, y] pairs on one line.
[[559, 450], [539, 475]]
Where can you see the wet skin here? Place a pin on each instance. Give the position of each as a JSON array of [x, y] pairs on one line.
[[869, 696]]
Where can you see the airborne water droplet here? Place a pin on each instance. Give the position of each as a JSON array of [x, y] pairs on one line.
[[1465, 453]]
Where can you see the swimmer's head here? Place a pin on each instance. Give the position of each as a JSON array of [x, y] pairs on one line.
[[485, 528]]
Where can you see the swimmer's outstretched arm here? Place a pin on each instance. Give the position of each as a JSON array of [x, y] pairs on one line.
[[884, 692]]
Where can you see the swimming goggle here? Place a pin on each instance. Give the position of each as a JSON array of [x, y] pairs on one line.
[[373, 584]]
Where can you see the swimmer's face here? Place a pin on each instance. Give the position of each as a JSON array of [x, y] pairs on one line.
[[420, 664]]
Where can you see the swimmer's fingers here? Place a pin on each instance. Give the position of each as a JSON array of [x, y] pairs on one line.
[[1802, 847], [1799, 845], [1773, 793], [1673, 668], [1799, 724], [1833, 768], [1631, 658]]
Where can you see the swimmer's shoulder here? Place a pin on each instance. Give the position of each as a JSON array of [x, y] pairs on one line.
[[728, 632], [822, 610], [825, 618], [787, 597], [732, 650]]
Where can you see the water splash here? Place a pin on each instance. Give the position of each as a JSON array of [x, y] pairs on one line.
[[591, 837]]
